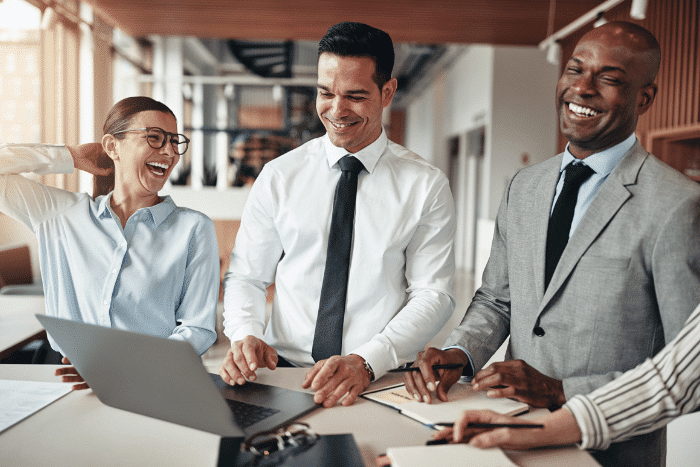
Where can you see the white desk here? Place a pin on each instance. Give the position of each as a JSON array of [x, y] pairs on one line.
[[18, 325], [78, 430]]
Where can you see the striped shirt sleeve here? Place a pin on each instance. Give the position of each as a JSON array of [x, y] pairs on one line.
[[646, 397]]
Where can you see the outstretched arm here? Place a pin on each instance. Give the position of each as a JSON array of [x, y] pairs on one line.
[[560, 428]]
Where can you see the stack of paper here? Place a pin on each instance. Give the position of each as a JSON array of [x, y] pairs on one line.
[[20, 399], [447, 455]]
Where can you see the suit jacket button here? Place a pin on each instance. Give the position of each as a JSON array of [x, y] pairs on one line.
[[539, 332]]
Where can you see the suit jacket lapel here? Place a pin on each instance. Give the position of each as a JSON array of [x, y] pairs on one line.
[[541, 211], [607, 202]]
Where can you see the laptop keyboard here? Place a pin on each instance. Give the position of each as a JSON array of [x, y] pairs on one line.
[[247, 414]]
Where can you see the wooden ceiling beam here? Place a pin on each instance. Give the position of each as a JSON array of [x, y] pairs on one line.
[[500, 22]]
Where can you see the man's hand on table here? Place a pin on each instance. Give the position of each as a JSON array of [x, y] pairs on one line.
[[244, 357], [336, 377], [422, 384], [70, 375], [518, 380]]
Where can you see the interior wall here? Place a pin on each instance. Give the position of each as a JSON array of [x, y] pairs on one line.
[[509, 91], [524, 124]]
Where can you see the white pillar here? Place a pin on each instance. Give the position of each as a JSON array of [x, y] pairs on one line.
[[197, 143], [174, 67], [158, 92], [86, 75], [222, 139], [168, 68]]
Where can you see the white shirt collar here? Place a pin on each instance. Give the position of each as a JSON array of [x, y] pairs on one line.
[[369, 156]]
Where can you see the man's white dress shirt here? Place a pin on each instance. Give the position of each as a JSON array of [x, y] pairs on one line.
[[158, 275], [402, 261]]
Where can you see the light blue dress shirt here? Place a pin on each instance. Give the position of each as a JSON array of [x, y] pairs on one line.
[[602, 163], [158, 275]]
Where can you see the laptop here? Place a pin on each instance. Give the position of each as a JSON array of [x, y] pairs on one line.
[[165, 379]]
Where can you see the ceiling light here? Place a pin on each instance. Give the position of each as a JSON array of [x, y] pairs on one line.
[[554, 53], [600, 21], [639, 8]]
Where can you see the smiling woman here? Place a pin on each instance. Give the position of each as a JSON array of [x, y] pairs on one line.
[[129, 259]]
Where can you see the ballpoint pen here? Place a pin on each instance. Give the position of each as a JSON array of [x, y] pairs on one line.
[[445, 366], [493, 425], [434, 442]]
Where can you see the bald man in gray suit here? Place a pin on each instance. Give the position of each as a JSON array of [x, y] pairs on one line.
[[629, 275]]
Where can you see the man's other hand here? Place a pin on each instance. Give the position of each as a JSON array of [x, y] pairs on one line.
[[244, 357], [336, 377], [518, 380]]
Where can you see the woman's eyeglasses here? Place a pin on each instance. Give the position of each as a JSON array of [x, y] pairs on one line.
[[157, 138], [297, 436]]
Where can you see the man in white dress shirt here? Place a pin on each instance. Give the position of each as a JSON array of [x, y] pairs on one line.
[[399, 285]]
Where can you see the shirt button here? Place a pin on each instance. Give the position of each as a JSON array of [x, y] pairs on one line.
[[539, 332], [114, 271], [105, 302]]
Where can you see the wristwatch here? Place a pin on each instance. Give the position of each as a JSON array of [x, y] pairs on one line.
[[369, 370]]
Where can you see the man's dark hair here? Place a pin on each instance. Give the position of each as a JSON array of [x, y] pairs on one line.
[[349, 39]]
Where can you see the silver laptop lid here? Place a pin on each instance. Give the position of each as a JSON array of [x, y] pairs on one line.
[[148, 375]]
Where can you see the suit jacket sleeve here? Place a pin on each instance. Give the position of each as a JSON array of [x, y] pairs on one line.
[[486, 323]]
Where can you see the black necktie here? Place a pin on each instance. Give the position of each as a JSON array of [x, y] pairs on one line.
[[328, 338], [563, 214]]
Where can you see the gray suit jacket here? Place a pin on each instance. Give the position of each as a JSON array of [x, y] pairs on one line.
[[624, 286]]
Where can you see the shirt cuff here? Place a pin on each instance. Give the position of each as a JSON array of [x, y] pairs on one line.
[[375, 353], [466, 378], [62, 159], [595, 432], [242, 331]]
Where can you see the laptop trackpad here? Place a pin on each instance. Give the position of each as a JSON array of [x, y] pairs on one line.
[[257, 407]]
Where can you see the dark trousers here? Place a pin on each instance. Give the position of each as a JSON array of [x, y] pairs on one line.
[[283, 363], [647, 450]]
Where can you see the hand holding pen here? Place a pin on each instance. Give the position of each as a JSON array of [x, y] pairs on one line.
[[434, 372], [482, 428]]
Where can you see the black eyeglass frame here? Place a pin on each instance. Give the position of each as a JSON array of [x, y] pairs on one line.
[[266, 443], [166, 137]]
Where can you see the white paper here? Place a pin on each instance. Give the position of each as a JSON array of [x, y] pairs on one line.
[[20, 399], [447, 455]]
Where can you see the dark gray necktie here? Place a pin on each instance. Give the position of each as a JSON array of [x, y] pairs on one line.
[[562, 215], [328, 337]]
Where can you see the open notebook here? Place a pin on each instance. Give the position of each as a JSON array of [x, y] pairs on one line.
[[461, 397]]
